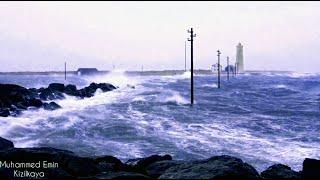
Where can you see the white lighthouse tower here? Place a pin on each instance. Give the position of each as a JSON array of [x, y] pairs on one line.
[[239, 59]]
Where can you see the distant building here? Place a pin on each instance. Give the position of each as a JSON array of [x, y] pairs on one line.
[[239, 59], [87, 71]]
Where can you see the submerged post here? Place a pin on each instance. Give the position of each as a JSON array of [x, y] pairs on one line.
[[219, 68], [65, 70], [191, 40], [228, 67]]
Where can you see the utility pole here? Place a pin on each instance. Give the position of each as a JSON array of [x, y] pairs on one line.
[[65, 70], [142, 68], [235, 68], [185, 56], [219, 68], [228, 67], [191, 40]]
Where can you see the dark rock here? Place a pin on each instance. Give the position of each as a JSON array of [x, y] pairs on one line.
[[217, 167], [71, 87], [14, 98], [109, 163], [51, 106], [56, 87], [6, 173], [311, 169], [280, 171], [14, 110], [144, 162], [49, 94], [35, 102], [58, 173], [12, 89], [108, 159], [11, 94], [46, 94], [93, 86], [106, 87], [5, 144], [71, 90], [4, 112], [91, 89], [156, 169], [58, 95], [21, 105], [120, 175]]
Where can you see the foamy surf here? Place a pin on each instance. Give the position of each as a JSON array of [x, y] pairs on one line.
[[213, 85], [248, 119]]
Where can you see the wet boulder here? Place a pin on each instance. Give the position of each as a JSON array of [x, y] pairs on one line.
[[71, 90], [106, 87], [51, 106], [21, 105], [56, 87], [120, 175], [156, 169], [311, 169], [142, 163], [46, 94], [34, 102], [4, 112], [12, 89], [216, 167], [49, 94], [5, 144], [11, 94], [109, 163], [280, 171]]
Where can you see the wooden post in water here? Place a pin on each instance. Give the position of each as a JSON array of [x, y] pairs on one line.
[[219, 68], [228, 67], [191, 40], [65, 70]]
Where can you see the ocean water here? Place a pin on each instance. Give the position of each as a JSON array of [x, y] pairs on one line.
[[262, 118]]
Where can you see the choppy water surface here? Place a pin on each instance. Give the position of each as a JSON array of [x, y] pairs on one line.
[[262, 118]]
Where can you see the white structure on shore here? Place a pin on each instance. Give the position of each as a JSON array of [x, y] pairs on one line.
[[239, 59]]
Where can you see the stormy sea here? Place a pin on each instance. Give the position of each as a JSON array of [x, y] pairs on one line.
[[262, 118]]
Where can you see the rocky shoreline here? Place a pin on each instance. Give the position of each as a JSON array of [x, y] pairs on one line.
[[14, 98], [68, 165]]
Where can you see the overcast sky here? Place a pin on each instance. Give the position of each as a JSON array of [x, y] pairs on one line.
[[41, 36]]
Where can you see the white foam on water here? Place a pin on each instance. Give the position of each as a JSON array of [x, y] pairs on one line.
[[300, 74], [213, 85], [175, 78], [176, 98], [117, 78], [281, 86], [218, 137], [139, 98]]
